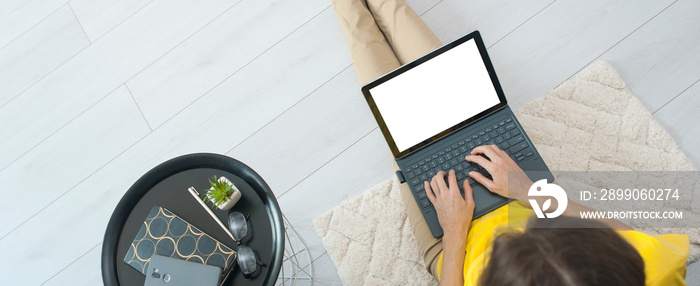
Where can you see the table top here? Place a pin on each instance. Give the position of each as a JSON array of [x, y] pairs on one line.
[[166, 186]]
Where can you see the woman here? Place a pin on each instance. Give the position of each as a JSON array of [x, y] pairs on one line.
[[383, 35]]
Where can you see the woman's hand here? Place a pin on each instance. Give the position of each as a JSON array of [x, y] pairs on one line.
[[454, 214], [499, 165], [454, 211]]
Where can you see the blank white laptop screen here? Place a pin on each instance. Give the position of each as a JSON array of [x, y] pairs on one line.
[[435, 95]]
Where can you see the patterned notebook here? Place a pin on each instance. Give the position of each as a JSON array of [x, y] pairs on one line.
[[166, 234]]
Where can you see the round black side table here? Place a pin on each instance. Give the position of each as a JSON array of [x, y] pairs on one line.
[[166, 186]]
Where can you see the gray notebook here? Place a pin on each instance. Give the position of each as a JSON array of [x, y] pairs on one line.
[[168, 271]]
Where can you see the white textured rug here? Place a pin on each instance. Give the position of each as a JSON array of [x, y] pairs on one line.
[[592, 122]]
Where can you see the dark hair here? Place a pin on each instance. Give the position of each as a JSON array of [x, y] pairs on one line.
[[547, 255]]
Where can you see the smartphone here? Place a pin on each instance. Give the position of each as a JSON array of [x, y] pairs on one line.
[[166, 271]]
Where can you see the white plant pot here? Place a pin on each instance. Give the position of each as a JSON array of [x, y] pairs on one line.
[[233, 199]]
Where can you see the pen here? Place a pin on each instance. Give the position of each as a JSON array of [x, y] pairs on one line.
[[195, 194]]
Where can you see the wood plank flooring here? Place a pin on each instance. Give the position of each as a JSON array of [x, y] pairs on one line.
[[94, 93], [36, 53]]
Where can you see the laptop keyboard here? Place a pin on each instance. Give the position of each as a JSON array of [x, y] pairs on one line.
[[505, 134]]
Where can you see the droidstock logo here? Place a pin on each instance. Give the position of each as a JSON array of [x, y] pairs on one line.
[[542, 189]]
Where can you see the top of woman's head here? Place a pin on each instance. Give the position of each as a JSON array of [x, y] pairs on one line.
[[548, 254]]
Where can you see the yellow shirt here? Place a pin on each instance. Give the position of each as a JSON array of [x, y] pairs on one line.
[[664, 255]]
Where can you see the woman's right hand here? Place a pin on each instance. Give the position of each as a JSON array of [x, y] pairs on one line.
[[499, 165]]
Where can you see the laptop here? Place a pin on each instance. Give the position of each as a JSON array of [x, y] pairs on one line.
[[434, 110]]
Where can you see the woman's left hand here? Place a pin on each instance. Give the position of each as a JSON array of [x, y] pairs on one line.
[[454, 211]]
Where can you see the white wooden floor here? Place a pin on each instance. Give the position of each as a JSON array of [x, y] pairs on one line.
[[93, 93]]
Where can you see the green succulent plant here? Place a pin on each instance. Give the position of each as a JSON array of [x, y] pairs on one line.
[[220, 192]]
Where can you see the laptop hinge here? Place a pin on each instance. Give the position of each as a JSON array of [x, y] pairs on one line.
[[399, 175]]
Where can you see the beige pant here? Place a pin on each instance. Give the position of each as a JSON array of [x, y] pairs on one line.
[[367, 28]]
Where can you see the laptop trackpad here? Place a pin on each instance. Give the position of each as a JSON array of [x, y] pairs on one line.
[[485, 201]]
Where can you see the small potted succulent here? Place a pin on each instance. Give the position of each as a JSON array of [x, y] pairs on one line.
[[223, 193]]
